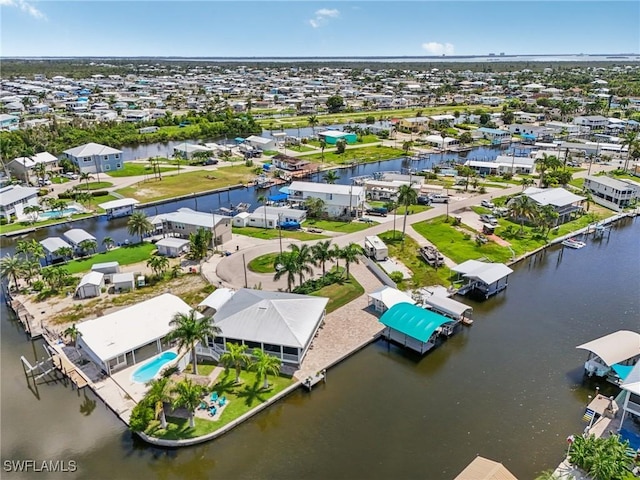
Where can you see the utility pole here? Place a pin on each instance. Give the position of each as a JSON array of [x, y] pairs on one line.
[[280, 231], [244, 264]]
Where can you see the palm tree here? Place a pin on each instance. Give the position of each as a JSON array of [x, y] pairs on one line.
[[73, 334], [350, 255], [265, 364], [11, 266], [322, 253], [630, 140], [303, 258], [323, 145], [83, 197], [86, 177], [176, 270], [158, 264], [336, 253], [523, 208], [189, 397], [139, 224], [235, 357], [189, 330], [29, 267], [331, 176], [285, 263], [548, 217], [199, 242], [32, 211], [87, 245], [313, 121], [406, 146], [158, 394], [64, 252], [263, 200], [525, 182], [40, 170], [547, 162], [108, 242], [406, 196]]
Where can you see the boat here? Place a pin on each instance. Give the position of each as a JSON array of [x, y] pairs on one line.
[[432, 256], [573, 243]]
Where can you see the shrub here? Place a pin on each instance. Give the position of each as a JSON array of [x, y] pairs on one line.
[[38, 286], [141, 416], [397, 277], [42, 192], [3, 221]]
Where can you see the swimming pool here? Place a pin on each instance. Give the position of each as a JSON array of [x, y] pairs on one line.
[[57, 213], [148, 370]]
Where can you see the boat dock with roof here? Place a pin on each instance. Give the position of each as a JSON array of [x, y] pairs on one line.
[[612, 356]]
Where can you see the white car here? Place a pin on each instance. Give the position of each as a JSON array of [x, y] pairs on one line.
[[487, 204]]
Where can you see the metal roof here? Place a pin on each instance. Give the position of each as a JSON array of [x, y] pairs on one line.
[[277, 318], [325, 188], [51, 244], [447, 305], [615, 347], [558, 197], [191, 217], [485, 272], [121, 202], [217, 298], [77, 235], [16, 193], [172, 242], [33, 160], [391, 296], [91, 278], [632, 380], [91, 149], [416, 322]]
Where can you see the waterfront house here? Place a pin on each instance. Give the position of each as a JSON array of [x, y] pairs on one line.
[[275, 216], [51, 246], [631, 405], [9, 122], [610, 192], [14, 198], [172, 246], [415, 328], [339, 200], [121, 207], [90, 285], [130, 335], [495, 135], [566, 204], [331, 137], [95, 158], [75, 236], [386, 297], [23, 167], [290, 164], [185, 221], [485, 278], [413, 124], [260, 142], [280, 324], [484, 469], [188, 151], [609, 355], [108, 269]]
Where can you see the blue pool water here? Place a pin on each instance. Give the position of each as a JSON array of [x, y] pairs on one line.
[[58, 213], [148, 370]]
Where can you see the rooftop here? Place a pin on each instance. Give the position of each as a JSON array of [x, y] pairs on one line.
[[414, 321]]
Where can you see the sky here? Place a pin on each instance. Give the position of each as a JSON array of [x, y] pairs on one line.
[[310, 28]]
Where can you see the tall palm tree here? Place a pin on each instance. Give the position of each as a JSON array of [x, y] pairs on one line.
[[265, 364], [630, 140], [139, 224], [322, 253], [406, 196], [313, 121], [330, 176], [189, 397], [108, 242], [40, 170], [64, 252], [11, 266], [87, 245], [73, 334], [323, 145], [525, 182], [236, 356], [33, 212], [303, 258], [189, 330], [336, 253], [548, 217], [263, 200], [350, 255], [84, 176], [158, 264], [522, 208], [158, 394], [285, 263]]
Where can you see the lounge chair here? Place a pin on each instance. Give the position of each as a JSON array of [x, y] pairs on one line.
[[223, 401], [214, 396], [203, 405], [212, 411]]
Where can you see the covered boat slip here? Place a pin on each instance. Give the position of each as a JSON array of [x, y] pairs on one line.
[[631, 406], [612, 355], [486, 278], [449, 308], [414, 327]]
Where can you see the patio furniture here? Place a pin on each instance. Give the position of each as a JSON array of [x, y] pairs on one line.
[[212, 411], [223, 401], [203, 405], [214, 396]]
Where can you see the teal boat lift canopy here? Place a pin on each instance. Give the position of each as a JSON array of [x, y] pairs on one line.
[[416, 322]]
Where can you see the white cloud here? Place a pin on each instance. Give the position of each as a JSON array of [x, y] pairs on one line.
[[25, 7], [435, 48], [322, 17]]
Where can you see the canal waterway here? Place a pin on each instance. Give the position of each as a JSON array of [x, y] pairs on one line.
[[510, 388], [100, 227]]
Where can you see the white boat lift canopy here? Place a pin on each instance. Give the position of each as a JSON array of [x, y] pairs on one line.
[[615, 347], [447, 306]]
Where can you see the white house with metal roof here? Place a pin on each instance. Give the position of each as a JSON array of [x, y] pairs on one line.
[[130, 335], [565, 203], [22, 167], [339, 200], [14, 198], [610, 192], [95, 158], [281, 324], [185, 221], [260, 142], [172, 246]]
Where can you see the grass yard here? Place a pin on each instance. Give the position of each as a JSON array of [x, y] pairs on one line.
[[272, 233], [340, 294], [59, 180], [407, 253], [337, 226], [412, 209], [123, 255], [357, 154], [188, 182], [301, 148], [263, 263], [16, 226], [135, 169], [242, 397], [94, 185]]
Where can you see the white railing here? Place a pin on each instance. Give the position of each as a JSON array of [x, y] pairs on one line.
[[212, 352]]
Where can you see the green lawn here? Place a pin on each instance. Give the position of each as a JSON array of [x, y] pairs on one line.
[[271, 233], [337, 226], [241, 398], [188, 182], [340, 294], [263, 263], [59, 180], [94, 185], [134, 169], [407, 252], [15, 226], [301, 148], [412, 209], [123, 255], [357, 154]]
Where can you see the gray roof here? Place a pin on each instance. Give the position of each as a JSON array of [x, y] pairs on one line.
[[485, 272], [271, 317], [172, 242], [191, 217], [91, 149], [125, 277], [609, 182], [91, 278], [51, 244], [33, 160], [15, 193], [558, 197], [326, 188], [77, 235]]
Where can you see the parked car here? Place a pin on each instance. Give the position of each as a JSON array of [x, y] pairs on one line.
[[380, 211], [500, 211], [424, 200], [487, 204], [490, 219], [70, 175], [211, 161]]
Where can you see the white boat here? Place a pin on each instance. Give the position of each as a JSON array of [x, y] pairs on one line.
[[573, 243]]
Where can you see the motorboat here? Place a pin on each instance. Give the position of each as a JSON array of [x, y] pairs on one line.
[[573, 243]]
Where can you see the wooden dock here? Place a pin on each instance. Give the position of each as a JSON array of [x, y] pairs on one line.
[[62, 363]]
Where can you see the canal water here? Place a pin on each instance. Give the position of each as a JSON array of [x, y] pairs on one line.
[[510, 388], [100, 227]]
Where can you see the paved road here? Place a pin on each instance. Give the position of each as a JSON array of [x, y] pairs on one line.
[[231, 270]]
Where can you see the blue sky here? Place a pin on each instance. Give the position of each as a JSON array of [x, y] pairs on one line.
[[310, 28]]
